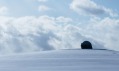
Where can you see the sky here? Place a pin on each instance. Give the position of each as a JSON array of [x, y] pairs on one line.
[[37, 25]]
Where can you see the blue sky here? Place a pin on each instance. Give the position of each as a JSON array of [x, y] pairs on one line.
[[108, 3], [37, 25], [59, 7], [19, 8]]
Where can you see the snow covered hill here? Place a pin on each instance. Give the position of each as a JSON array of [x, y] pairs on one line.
[[62, 60]]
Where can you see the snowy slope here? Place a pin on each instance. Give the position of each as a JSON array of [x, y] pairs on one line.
[[62, 60]]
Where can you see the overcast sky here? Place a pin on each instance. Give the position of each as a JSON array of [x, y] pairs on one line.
[[33, 25]]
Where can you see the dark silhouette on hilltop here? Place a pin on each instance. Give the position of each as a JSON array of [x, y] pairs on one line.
[[86, 45]]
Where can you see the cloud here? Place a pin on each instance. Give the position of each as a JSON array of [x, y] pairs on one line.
[[25, 34], [43, 8], [105, 31], [3, 10], [89, 7], [42, 0], [63, 19], [31, 34]]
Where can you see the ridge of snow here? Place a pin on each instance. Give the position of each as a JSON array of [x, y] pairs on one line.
[[62, 60]]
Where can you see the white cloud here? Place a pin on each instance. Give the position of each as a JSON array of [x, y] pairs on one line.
[[103, 30], [63, 19], [43, 8], [42, 0], [89, 7], [3, 10], [28, 34]]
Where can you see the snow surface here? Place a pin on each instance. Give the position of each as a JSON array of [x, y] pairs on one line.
[[62, 60]]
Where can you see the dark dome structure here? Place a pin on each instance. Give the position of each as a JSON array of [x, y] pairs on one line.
[[86, 45]]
